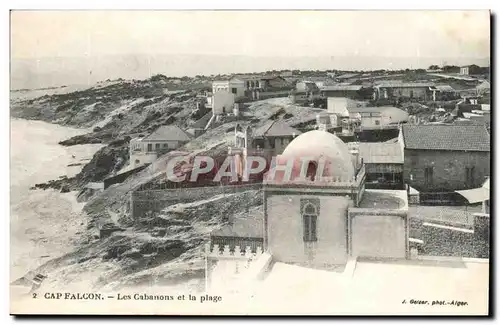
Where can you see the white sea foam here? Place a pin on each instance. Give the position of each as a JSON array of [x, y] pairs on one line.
[[42, 223]]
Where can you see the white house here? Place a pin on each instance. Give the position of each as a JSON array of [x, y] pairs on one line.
[[165, 138], [233, 86]]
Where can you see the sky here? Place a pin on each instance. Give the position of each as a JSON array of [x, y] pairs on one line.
[[42, 34]]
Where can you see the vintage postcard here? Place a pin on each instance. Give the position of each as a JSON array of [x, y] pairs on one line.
[[250, 162]]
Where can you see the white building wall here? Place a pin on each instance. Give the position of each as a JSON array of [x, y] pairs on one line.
[[239, 85], [285, 230], [371, 121], [401, 142], [141, 153], [156, 145], [220, 86], [378, 236], [337, 105], [222, 102], [228, 85]]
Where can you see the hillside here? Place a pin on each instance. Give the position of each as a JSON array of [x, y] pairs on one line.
[[165, 248]]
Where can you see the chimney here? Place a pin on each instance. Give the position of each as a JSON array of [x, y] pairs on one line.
[[354, 150]]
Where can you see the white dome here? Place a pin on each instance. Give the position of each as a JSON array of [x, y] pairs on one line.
[[321, 144]]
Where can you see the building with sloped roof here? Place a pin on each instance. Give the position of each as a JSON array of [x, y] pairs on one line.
[[445, 158], [163, 139], [444, 92], [266, 141], [390, 90], [274, 135]]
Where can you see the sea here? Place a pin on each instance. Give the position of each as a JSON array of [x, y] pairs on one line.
[[43, 223]]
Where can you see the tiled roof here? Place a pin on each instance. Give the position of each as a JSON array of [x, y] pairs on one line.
[[168, 133], [275, 129], [446, 137]]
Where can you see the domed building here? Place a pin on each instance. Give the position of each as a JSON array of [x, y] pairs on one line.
[[317, 212], [316, 156]]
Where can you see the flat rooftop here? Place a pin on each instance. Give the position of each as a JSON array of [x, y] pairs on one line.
[[384, 199], [377, 287]]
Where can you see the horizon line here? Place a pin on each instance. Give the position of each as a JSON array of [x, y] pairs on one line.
[[249, 56]]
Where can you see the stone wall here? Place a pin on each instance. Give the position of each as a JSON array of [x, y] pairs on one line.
[[482, 236], [440, 240], [449, 169]]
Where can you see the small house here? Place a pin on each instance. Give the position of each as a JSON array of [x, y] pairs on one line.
[[274, 136], [305, 92], [411, 90], [234, 86], [444, 92], [256, 85], [148, 149]]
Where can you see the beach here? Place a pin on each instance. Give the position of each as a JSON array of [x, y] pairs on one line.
[[44, 224]]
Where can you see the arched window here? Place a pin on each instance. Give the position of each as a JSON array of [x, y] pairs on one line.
[[310, 217], [311, 170]]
